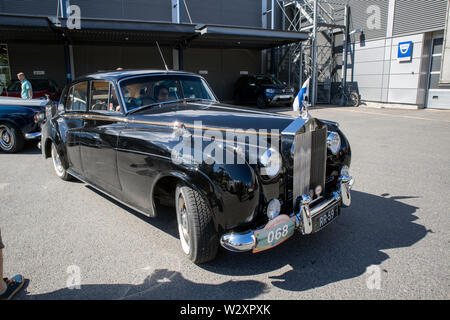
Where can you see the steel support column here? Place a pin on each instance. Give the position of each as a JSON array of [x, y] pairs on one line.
[[177, 11], [345, 53], [314, 55]]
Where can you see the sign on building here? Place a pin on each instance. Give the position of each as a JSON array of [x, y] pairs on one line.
[[405, 51]]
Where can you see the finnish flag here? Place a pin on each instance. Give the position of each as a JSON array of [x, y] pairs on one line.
[[302, 95]]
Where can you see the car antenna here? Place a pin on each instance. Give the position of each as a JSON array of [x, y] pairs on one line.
[[162, 57]]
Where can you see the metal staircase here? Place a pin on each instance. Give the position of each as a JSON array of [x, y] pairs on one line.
[[296, 61]]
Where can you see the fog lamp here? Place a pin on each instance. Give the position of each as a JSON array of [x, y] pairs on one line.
[[273, 208], [318, 190], [345, 171]]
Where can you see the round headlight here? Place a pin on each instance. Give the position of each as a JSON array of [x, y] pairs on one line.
[[39, 117], [334, 142], [271, 163], [273, 208]]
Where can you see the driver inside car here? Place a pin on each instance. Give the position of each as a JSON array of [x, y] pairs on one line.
[[161, 93]]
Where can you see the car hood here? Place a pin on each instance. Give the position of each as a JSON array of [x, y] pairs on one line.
[[214, 115], [33, 104]]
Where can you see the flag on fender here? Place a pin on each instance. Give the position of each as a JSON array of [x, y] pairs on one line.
[[302, 95]]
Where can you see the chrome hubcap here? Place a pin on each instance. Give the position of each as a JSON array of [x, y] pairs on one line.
[[56, 161], [183, 224], [6, 138]]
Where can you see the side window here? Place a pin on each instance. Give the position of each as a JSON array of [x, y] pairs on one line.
[[68, 102], [79, 97], [113, 99], [63, 98], [104, 97], [99, 96]]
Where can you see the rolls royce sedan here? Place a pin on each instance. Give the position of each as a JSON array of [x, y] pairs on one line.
[[238, 178]]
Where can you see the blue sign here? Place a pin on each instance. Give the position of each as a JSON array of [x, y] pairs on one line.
[[405, 51]]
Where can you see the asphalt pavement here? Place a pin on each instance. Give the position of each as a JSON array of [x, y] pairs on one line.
[[71, 242]]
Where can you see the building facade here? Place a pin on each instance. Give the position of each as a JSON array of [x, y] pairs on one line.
[[397, 58], [222, 39]]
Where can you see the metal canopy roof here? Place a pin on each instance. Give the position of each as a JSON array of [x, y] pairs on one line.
[[14, 28]]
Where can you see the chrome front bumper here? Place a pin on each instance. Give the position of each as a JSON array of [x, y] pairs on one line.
[[279, 99], [246, 241], [33, 135]]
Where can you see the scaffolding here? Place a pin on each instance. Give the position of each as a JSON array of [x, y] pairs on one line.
[[324, 20]]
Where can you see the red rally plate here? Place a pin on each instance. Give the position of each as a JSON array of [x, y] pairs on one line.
[[274, 233]]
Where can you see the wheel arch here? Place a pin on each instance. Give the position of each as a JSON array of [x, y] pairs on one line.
[[200, 182]]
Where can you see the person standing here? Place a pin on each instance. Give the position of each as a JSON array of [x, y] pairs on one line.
[[8, 287], [27, 90]]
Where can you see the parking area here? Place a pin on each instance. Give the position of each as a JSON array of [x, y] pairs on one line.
[[392, 243]]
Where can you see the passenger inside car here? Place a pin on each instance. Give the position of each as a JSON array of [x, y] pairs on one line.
[[161, 93]]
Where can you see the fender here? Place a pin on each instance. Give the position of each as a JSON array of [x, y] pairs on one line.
[[232, 193]]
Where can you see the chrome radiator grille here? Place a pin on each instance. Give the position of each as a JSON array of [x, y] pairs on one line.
[[309, 161]]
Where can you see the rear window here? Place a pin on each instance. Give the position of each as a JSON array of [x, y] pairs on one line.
[[36, 85], [39, 85], [14, 86]]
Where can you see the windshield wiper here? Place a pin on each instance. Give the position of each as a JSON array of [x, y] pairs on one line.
[[167, 102]]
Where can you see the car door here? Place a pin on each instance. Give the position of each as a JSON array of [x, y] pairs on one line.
[[98, 141], [251, 90], [70, 124]]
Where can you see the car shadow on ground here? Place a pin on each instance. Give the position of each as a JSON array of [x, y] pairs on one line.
[[343, 250], [162, 284]]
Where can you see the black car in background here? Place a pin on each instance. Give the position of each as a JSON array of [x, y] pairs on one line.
[[262, 90]]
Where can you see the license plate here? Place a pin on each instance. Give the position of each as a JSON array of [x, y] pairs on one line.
[[285, 96], [322, 220], [274, 233]]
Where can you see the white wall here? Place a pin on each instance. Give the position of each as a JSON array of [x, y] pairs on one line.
[[382, 78]]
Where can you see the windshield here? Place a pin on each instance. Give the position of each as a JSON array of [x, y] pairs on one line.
[[267, 80], [146, 90]]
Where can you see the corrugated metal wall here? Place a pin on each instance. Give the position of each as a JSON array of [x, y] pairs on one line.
[[371, 16], [419, 15], [154, 10], [41, 7], [245, 13], [361, 14]]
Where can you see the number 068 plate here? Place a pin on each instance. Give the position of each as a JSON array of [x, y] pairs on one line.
[[275, 232]]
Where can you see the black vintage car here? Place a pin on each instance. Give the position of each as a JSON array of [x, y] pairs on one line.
[[241, 178], [19, 121], [262, 90]]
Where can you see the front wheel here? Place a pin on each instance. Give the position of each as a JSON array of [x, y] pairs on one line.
[[260, 102], [11, 139], [354, 99], [57, 165], [198, 237]]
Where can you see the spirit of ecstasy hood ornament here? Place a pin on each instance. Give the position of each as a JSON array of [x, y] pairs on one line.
[[304, 111]]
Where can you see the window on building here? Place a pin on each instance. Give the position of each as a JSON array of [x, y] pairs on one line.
[[5, 73], [436, 60]]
